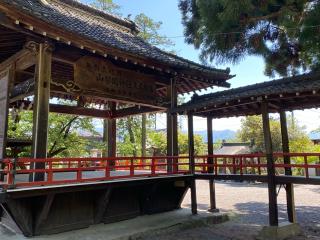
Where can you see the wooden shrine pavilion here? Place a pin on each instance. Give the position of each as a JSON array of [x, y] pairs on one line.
[[67, 50], [277, 96], [62, 49]]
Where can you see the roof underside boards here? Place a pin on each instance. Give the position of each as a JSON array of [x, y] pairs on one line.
[[106, 30], [293, 93]]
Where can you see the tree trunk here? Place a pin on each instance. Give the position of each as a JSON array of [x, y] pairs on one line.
[[131, 136]]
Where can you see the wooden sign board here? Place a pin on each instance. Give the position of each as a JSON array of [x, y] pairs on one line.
[[101, 78], [4, 100]]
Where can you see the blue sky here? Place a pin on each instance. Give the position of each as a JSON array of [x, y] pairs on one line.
[[249, 71]]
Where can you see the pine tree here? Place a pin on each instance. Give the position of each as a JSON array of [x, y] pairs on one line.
[[285, 33], [107, 6]]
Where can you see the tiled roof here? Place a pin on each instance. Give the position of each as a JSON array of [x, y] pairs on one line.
[[102, 28], [301, 83], [292, 93]]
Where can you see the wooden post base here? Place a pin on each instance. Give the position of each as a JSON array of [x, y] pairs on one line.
[[283, 231]]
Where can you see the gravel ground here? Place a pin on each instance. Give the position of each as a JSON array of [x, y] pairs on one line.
[[250, 203]]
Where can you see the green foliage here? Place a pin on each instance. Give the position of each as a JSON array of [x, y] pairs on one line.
[[252, 129], [64, 138], [149, 31], [107, 6], [130, 134], [285, 33], [64, 135], [159, 141], [22, 127], [199, 145]]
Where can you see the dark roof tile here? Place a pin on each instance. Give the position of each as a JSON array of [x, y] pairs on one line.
[[102, 28], [290, 85]]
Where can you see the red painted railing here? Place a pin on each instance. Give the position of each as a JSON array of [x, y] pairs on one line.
[[301, 164], [78, 170]]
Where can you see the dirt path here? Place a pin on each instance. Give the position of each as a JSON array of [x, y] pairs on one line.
[[250, 202]]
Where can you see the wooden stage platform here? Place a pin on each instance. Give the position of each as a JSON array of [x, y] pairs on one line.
[[40, 210]]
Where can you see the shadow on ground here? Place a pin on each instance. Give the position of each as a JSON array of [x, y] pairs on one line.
[[257, 212], [316, 190], [243, 184]]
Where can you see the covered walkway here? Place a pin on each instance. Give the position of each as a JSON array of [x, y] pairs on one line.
[[278, 96]]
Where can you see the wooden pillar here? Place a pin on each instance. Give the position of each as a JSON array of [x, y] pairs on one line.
[[175, 147], [6, 79], [286, 149], [105, 135], [174, 103], [212, 189], [172, 127], [192, 165], [41, 107], [105, 138], [272, 187], [112, 134]]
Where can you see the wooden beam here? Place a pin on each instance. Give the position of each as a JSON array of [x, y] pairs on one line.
[[62, 60], [8, 23], [21, 60], [273, 207], [95, 113], [218, 80], [131, 111], [81, 111], [41, 107], [43, 214], [286, 149], [22, 90], [102, 204], [25, 89]]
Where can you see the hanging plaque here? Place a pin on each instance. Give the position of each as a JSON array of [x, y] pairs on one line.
[[101, 78]]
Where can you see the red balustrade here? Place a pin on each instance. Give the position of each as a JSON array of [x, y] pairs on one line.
[[257, 164], [16, 172], [77, 170]]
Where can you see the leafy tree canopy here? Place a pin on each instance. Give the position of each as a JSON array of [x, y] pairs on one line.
[[252, 129], [285, 33], [64, 135], [158, 141], [149, 31], [107, 6]]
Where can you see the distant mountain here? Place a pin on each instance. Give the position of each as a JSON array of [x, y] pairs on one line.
[[226, 134]]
